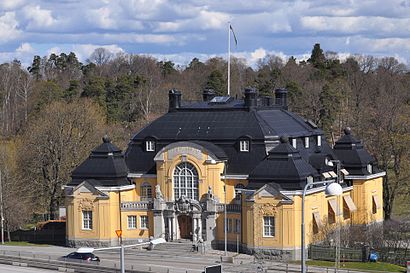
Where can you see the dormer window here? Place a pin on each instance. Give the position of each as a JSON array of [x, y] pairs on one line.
[[150, 146], [306, 142], [244, 145], [369, 168], [319, 141], [294, 143]]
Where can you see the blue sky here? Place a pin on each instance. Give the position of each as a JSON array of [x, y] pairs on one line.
[[181, 29]]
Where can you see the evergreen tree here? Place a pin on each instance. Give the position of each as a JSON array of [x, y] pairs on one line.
[[216, 82]]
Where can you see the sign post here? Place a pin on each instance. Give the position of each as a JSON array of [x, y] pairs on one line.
[[122, 258], [408, 266]]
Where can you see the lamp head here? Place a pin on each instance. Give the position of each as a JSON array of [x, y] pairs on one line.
[[334, 189], [329, 162]]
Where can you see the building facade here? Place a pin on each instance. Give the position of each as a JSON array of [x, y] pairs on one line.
[[223, 167]]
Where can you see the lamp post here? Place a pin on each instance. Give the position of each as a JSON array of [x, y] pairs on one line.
[[122, 259], [225, 219], [331, 163], [331, 189]]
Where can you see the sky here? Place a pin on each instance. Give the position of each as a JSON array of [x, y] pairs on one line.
[[179, 30]]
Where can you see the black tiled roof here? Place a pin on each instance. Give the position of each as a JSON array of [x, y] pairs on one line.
[[222, 125], [284, 166], [104, 167], [352, 155]]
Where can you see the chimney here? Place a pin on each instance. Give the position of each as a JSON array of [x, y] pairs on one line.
[[250, 97], [174, 100], [208, 94], [267, 101], [281, 97]]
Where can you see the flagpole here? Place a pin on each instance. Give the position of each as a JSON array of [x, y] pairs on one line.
[[229, 58]]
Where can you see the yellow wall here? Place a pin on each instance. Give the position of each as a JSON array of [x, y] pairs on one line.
[[287, 214], [363, 191]]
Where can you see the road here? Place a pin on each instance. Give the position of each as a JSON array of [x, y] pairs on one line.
[[18, 269], [161, 261]]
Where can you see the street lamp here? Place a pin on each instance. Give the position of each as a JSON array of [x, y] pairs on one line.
[[330, 163], [225, 218], [332, 189]]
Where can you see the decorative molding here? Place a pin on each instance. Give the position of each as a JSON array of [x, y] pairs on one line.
[[86, 204], [118, 188], [266, 209], [141, 175]]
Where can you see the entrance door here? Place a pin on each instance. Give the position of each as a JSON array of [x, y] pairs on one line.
[[185, 226]]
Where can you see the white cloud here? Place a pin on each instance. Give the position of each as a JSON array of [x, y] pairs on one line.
[[259, 53], [25, 48], [102, 18], [37, 17], [8, 27], [11, 4], [83, 51]]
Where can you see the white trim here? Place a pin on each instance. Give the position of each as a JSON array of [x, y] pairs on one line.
[[371, 176], [314, 190], [139, 175], [116, 188], [319, 140], [235, 176]]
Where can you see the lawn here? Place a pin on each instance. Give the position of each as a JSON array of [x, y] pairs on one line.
[[379, 266]]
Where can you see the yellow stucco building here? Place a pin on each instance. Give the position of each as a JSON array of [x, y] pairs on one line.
[[247, 158]]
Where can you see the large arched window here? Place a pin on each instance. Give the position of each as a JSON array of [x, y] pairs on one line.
[[186, 181]]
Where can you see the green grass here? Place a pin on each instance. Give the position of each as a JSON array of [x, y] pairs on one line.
[[21, 244], [379, 266]]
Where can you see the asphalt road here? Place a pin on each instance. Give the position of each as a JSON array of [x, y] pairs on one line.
[[18, 269]]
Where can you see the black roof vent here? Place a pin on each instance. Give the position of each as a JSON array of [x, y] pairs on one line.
[[208, 94], [174, 100], [281, 97], [250, 97]]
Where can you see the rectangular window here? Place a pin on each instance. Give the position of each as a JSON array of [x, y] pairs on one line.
[[132, 222], [150, 146], [375, 204], [294, 143], [306, 142], [237, 226], [268, 226], [331, 211], [144, 222], [244, 146], [230, 225], [319, 140], [87, 219], [146, 192]]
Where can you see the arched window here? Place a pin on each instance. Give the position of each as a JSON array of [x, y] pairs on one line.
[[186, 181], [146, 192]]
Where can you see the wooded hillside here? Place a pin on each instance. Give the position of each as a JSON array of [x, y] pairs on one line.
[[55, 111]]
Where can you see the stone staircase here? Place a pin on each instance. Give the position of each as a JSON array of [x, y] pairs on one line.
[[176, 248]]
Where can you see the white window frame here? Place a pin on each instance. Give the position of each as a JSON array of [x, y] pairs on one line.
[[268, 226], [230, 225], [294, 143], [132, 221], [146, 192], [186, 181], [319, 141], [144, 222], [237, 228], [244, 145], [87, 220], [150, 146], [306, 142]]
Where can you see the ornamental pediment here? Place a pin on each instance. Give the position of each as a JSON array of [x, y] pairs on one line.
[[183, 149]]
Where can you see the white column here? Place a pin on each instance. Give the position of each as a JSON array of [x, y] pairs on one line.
[[200, 229], [194, 238]]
